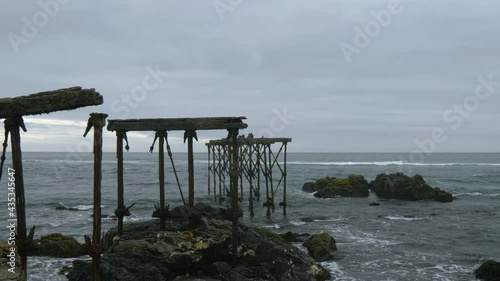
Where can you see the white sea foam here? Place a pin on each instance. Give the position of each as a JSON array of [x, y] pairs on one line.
[[336, 271], [476, 194], [297, 223], [407, 218], [45, 268], [387, 163], [274, 226]]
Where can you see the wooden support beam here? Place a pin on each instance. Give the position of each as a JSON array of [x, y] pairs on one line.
[[250, 141], [51, 101], [190, 135], [177, 124], [161, 169], [284, 181], [98, 121], [13, 125], [120, 209], [233, 134]]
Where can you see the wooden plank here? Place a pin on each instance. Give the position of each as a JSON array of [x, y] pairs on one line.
[[51, 101], [177, 124], [246, 141]]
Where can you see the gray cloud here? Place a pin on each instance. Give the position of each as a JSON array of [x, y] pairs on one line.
[[267, 55]]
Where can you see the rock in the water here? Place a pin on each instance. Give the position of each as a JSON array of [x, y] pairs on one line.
[[321, 246], [352, 186], [374, 204], [401, 186], [309, 187], [291, 237], [57, 245], [144, 252], [489, 271]]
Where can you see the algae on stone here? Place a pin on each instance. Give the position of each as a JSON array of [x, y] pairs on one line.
[[321, 246], [352, 186]]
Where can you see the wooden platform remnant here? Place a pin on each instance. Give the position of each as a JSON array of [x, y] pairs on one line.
[[189, 126], [161, 126], [257, 161], [13, 110], [50, 101], [177, 124]]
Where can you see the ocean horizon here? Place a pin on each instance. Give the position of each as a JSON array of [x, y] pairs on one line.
[[398, 240]]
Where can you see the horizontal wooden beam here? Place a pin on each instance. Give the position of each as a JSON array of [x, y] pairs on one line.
[[177, 124], [47, 102], [248, 141]]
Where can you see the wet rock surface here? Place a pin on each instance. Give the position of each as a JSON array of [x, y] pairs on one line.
[[403, 187], [489, 271], [200, 249], [321, 246], [352, 186]]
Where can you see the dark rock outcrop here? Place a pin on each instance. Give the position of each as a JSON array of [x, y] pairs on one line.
[[57, 245], [489, 271], [309, 187], [352, 186], [144, 252], [401, 186], [291, 237], [321, 246]]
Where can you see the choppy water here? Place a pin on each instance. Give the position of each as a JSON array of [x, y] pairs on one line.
[[394, 241]]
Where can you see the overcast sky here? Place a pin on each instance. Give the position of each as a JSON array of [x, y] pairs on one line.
[[336, 76]]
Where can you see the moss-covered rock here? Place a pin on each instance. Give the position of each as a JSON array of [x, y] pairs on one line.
[[58, 245], [489, 271], [321, 246], [403, 187], [352, 186]]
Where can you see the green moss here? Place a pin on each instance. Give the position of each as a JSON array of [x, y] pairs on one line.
[[320, 246], [352, 186], [58, 245], [323, 182]]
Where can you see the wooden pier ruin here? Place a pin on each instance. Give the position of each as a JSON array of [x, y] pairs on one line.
[[232, 160], [190, 126], [13, 110], [256, 164]]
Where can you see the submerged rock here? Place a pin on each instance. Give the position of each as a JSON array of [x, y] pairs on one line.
[[321, 246], [489, 271], [352, 186], [144, 252], [291, 237], [401, 186]]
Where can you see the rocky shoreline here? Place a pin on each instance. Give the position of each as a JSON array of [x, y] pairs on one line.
[[201, 250], [198, 252]]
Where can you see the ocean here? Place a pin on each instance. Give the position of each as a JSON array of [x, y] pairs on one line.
[[396, 240]]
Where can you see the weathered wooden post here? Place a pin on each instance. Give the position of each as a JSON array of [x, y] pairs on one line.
[[251, 174], [161, 169], [190, 135], [121, 211], [12, 125], [233, 134], [98, 121], [209, 171], [284, 180]]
